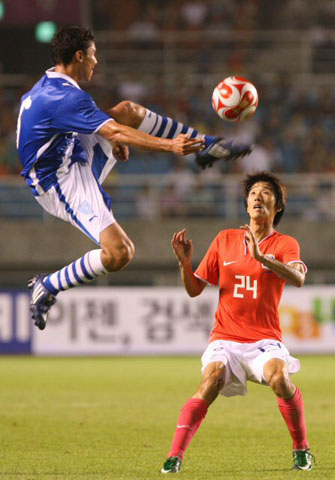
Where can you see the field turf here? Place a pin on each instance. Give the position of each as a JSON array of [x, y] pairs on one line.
[[113, 418]]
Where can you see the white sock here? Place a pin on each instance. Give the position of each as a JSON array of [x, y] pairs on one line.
[[160, 126]]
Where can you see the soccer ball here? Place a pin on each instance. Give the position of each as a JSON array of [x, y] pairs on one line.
[[235, 99]]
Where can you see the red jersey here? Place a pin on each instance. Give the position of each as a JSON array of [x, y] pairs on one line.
[[249, 292]]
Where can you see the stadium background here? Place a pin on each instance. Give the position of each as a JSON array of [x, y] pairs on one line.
[[97, 418], [169, 57]]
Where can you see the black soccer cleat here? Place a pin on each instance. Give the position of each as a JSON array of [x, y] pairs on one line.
[[41, 301], [221, 149]]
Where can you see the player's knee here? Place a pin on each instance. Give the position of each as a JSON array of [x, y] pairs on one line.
[[117, 259], [125, 254], [128, 113], [279, 380], [215, 380]]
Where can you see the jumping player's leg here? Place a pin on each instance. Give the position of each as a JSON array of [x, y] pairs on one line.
[[291, 406], [128, 113], [87, 208], [117, 248], [193, 413], [116, 252], [137, 116]]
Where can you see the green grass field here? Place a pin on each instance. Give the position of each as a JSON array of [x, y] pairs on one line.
[[113, 418]]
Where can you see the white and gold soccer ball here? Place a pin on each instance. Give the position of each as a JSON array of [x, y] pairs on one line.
[[235, 99]]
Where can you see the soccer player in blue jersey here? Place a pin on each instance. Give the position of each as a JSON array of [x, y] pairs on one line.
[[67, 146]]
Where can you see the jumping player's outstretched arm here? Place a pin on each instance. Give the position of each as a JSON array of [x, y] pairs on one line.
[[294, 273], [183, 250], [182, 145]]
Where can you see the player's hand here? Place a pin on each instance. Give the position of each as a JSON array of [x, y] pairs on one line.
[[184, 145], [121, 152], [252, 243], [183, 249]]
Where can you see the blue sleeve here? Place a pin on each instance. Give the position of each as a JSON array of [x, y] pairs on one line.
[[77, 112]]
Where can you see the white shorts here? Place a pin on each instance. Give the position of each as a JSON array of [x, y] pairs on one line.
[[245, 361], [78, 197]]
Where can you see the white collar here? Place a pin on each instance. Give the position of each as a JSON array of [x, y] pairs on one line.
[[269, 235], [52, 74]]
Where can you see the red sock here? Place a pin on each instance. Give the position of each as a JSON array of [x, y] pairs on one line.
[[294, 416], [190, 418]]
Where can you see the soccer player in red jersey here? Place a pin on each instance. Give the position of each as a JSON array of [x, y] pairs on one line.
[[251, 266]]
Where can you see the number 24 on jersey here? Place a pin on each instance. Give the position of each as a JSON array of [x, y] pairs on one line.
[[244, 284]]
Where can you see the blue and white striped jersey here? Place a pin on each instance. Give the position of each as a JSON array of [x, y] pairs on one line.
[[51, 116]]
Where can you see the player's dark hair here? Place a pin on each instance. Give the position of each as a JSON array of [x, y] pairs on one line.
[[68, 40], [278, 188]]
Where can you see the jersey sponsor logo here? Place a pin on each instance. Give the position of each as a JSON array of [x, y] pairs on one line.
[[228, 263]]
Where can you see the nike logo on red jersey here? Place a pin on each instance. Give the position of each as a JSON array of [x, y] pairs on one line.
[[228, 263]]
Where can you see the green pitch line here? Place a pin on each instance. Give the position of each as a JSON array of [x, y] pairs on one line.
[[113, 419]]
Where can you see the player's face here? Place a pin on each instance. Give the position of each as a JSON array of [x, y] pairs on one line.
[[261, 202], [89, 63]]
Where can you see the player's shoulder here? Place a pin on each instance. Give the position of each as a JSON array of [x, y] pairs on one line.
[[230, 234], [68, 97], [283, 236], [63, 85], [67, 89], [283, 239], [35, 89], [56, 88]]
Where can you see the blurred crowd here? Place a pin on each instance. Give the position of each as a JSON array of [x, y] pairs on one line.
[[153, 15], [292, 130]]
